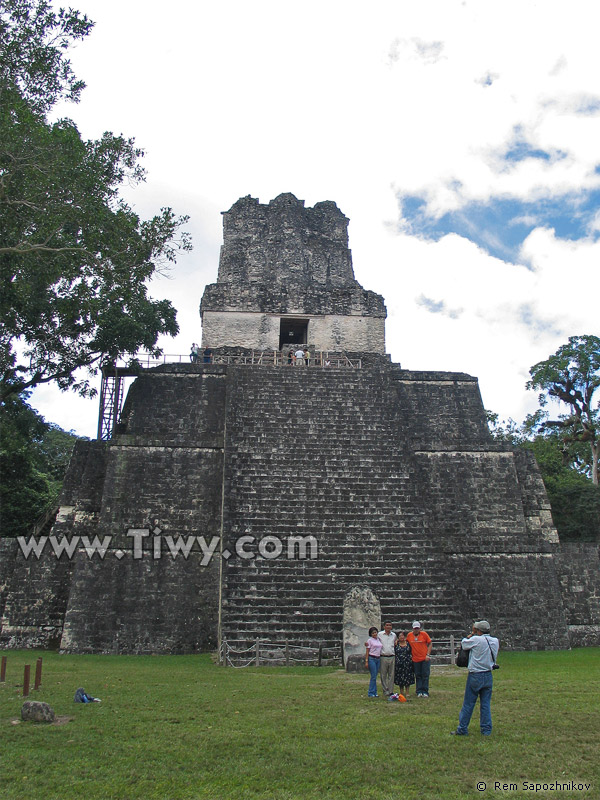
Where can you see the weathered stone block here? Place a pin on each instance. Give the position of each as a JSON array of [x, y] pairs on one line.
[[35, 711]]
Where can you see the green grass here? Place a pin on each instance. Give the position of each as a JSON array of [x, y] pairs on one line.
[[172, 727]]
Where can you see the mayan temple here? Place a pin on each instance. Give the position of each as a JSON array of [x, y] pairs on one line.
[[325, 491]]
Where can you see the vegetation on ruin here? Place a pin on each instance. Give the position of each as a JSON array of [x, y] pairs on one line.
[[75, 259], [572, 377], [565, 446], [34, 456], [574, 499], [181, 727]]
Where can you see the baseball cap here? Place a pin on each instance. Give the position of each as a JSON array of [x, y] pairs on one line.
[[483, 625], [416, 624]]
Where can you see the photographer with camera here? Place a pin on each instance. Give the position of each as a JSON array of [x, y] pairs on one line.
[[483, 650]]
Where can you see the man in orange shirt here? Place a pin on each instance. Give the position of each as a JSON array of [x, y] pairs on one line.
[[420, 645]]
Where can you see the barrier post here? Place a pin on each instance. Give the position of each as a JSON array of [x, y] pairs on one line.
[[26, 673], [38, 674]]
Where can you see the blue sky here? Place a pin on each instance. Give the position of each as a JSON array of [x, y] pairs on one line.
[[500, 225]]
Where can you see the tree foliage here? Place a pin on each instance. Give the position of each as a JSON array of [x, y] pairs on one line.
[[574, 499], [507, 431], [571, 376], [75, 259], [34, 456], [566, 448], [35, 40]]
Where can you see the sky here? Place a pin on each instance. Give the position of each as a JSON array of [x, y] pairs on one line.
[[460, 138]]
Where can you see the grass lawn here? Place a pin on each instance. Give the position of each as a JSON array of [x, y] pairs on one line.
[[173, 727]]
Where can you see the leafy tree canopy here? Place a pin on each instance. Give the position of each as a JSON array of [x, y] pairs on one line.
[[35, 39], [571, 376], [34, 456], [574, 499], [75, 259]]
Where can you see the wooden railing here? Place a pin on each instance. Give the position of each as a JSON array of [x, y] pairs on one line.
[[284, 654], [277, 654], [277, 358]]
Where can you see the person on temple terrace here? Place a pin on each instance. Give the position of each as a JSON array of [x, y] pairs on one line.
[[420, 645], [388, 658], [482, 660]]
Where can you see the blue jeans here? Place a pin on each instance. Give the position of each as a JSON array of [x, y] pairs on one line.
[[373, 669], [479, 684], [422, 670]]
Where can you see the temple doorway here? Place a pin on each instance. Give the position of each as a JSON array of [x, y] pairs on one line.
[[292, 332]]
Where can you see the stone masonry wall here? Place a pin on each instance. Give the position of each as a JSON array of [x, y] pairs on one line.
[[489, 510], [250, 501], [579, 571], [261, 331], [395, 476], [163, 480], [296, 235], [39, 587], [8, 553], [282, 259], [391, 472]]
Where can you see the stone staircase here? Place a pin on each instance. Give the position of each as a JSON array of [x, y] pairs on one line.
[[315, 453]]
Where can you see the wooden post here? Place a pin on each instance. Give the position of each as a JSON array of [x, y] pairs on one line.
[[257, 653], [320, 655], [287, 653], [452, 654], [3, 670], [223, 653], [26, 673], [38, 674]]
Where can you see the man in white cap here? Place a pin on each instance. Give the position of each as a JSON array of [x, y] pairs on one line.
[[482, 660], [420, 645]]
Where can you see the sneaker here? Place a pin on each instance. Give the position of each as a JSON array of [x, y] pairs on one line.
[[424, 694], [458, 733]]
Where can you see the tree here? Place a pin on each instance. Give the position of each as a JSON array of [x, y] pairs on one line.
[[574, 499], [75, 259], [33, 59], [571, 376], [507, 431], [34, 456]]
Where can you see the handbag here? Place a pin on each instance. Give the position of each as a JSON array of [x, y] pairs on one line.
[[462, 657]]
